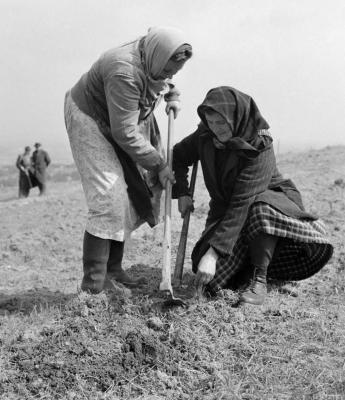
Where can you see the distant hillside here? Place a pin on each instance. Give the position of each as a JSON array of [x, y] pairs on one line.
[[59, 152], [56, 173], [330, 159]]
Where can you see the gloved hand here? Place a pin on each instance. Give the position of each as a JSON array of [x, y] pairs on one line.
[[206, 269], [164, 175], [173, 101], [185, 203]]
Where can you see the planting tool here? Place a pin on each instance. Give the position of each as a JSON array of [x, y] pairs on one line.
[[181, 252], [165, 284]]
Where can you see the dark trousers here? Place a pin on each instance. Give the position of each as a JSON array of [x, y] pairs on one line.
[[42, 188]]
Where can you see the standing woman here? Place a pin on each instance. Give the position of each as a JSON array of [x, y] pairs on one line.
[[117, 148], [257, 227], [23, 163]]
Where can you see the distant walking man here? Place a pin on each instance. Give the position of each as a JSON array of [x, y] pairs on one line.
[[40, 161], [23, 163]]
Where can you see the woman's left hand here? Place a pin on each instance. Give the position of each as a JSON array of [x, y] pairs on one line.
[[206, 269]]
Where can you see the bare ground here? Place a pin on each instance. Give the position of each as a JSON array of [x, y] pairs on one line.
[[58, 343]]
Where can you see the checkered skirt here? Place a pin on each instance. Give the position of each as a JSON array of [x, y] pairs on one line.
[[303, 249]]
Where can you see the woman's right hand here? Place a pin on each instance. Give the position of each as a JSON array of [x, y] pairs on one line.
[[206, 269], [185, 203], [165, 175]]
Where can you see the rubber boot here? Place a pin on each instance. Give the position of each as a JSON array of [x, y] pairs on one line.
[[95, 257], [257, 290], [114, 266]]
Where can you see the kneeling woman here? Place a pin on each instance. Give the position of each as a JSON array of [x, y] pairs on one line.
[[256, 226]]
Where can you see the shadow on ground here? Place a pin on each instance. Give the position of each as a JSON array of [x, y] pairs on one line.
[[32, 299], [9, 198]]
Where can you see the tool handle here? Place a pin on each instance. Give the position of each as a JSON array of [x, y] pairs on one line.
[[181, 251], [166, 269]]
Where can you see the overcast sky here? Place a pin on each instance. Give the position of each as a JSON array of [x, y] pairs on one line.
[[289, 55]]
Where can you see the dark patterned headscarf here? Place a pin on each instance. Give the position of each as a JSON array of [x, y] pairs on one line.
[[242, 115]]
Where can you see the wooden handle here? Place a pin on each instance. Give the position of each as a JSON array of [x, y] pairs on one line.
[[181, 251], [166, 269]]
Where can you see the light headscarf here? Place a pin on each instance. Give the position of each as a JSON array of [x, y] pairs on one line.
[[159, 45]]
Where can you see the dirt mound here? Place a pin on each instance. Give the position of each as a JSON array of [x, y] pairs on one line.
[[90, 344]]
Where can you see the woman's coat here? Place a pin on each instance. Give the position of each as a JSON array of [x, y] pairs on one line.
[[237, 176]]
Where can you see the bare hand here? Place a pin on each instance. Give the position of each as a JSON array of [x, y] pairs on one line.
[[173, 105], [173, 101], [206, 269], [185, 203], [166, 175]]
